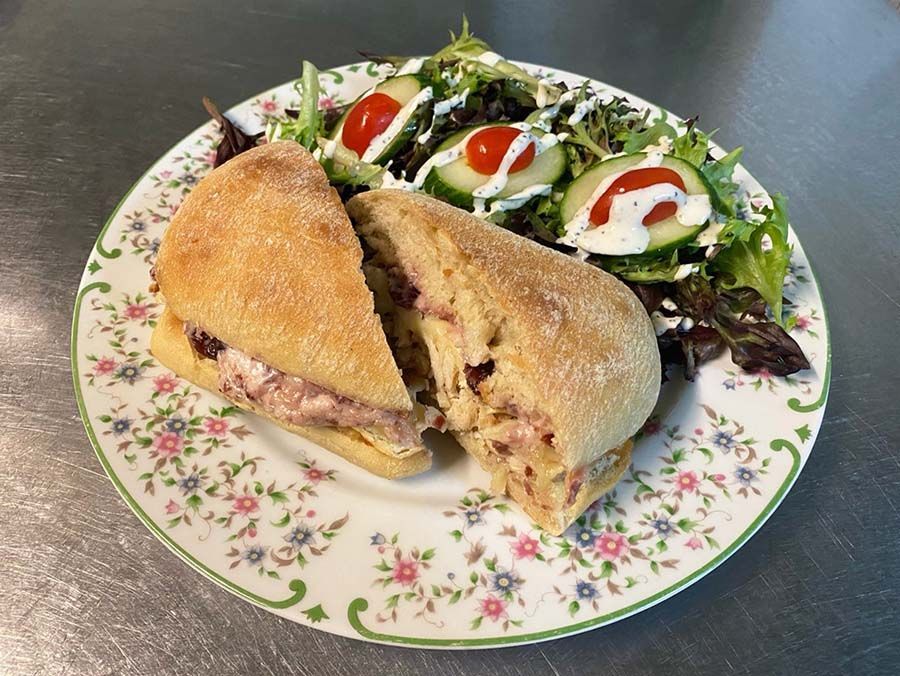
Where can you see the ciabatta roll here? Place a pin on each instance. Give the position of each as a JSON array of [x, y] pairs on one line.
[[544, 367], [260, 268]]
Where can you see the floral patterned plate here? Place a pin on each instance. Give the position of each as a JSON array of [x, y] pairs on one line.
[[437, 560]]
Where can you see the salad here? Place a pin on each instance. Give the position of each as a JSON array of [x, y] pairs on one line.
[[582, 171]]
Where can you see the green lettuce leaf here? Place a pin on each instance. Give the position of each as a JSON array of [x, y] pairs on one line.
[[719, 173], [308, 125], [692, 146], [638, 140], [736, 228], [466, 47], [777, 215], [644, 270], [746, 264]]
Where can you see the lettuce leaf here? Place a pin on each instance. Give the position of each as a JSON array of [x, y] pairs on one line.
[[234, 140], [466, 47], [638, 140], [719, 173], [692, 146], [747, 263], [754, 344], [309, 123], [777, 214], [358, 173], [642, 269]]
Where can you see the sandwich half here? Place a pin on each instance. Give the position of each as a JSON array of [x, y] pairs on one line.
[[543, 366], [266, 303]]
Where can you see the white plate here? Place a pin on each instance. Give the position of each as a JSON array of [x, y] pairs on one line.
[[437, 560]]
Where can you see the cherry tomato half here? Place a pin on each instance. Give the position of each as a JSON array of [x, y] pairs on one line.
[[485, 150], [368, 119], [635, 180]]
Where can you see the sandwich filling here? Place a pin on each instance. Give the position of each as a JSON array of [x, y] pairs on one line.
[[465, 368], [295, 400]]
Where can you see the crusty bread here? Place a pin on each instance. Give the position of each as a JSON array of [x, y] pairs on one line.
[[571, 349], [554, 519], [580, 345], [261, 255], [169, 344]]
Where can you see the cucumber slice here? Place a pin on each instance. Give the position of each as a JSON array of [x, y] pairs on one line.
[[456, 181], [667, 234], [402, 89]]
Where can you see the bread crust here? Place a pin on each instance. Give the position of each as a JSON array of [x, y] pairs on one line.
[[588, 353], [262, 256], [172, 348], [551, 519]]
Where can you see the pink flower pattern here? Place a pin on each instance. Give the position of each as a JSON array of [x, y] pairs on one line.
[[314, 475], [406, 571], [216, 427], [104, 366], [168, 444], [245, 504], [525, 547], [611, 546], [687, 481], [136, 311], [165, 384], [493, 608]]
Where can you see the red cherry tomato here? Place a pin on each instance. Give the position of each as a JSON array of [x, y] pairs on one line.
[[368, 119], [485, 150], [635, 180]]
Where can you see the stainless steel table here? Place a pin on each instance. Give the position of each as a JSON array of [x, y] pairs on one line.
[[91, 93]]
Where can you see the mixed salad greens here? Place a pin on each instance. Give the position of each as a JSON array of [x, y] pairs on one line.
[[541, 158]]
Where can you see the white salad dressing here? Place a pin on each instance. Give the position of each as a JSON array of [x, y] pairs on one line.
[[581, 220], [441, 159], [545, 92], [661, 323], [514, 201], [411, 67], [500, 178], [487, 189], [329, 148], [496, 182], [490, 58], [582, 109], [685, 270], [546, 117], [442, 108], [380, 142], [711, 234], [624, 233], [389, 182], [448, 77], [454, 102], [664, 145]]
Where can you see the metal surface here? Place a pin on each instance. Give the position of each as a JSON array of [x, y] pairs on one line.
[[91, 93]]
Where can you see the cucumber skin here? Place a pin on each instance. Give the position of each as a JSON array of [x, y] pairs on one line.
[[339, 176], [434, 186], [690, 233], [439, 186]]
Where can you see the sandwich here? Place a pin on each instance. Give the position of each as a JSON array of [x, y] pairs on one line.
[[544, 367], [266, 304]]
